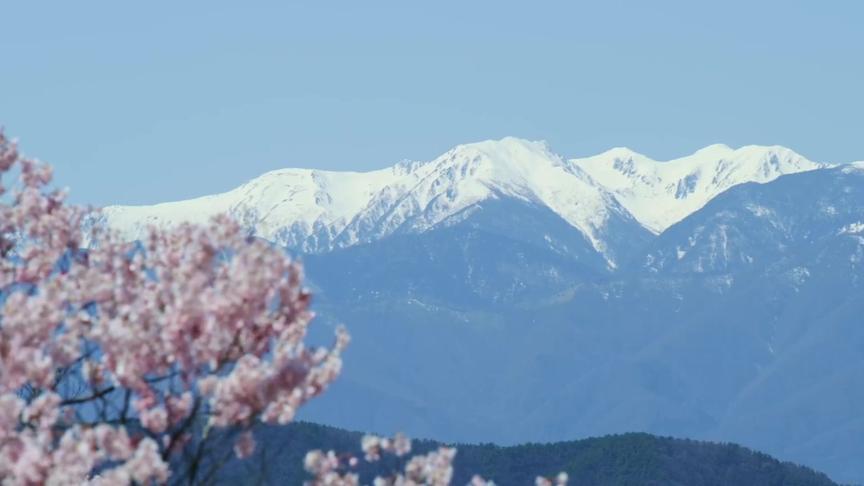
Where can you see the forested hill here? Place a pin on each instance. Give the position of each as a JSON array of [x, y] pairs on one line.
[[627, 459]]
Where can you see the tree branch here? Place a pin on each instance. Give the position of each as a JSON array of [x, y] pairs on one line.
[[94, 396]]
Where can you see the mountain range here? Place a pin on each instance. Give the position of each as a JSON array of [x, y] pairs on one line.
[[316, 211], [503, 293]]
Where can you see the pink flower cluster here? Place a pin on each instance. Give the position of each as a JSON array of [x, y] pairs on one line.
[[330, 469], [560, 480], [110, 354], [433, 469], [374, 445]]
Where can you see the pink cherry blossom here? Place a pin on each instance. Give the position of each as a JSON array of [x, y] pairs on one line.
[[434, 468], [111, 350], [244, 446], [478, 480]]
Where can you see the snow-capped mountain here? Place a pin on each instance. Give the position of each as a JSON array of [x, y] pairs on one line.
[[316, 211], [659, 194], [760, 227]]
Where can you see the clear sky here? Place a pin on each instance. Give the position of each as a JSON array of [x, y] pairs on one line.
[[141, 102]]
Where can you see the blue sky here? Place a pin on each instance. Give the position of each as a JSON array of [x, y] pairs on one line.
[[154, 101]]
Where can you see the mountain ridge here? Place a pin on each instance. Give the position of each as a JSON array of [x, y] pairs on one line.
[[316, 211], [622, 459], [661, 193]]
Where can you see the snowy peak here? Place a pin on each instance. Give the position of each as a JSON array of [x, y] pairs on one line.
[[659, 194], [447, 188], [288, 199], [717, 150], [318, 211]]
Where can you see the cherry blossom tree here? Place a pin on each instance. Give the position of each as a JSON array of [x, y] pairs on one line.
[[119, 359]]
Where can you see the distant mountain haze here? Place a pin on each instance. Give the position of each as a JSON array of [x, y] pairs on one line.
[[503, 293]]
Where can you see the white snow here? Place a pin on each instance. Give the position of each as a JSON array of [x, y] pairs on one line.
[[853, 167], [852, 229], [759, 211], [317, 211], [799, 275], [659, 194], [270, 202]]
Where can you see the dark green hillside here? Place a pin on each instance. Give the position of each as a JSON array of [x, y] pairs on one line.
[[627, 459]]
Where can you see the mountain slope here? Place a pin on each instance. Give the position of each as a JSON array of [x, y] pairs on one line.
[[756, 226], [790, 257]]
